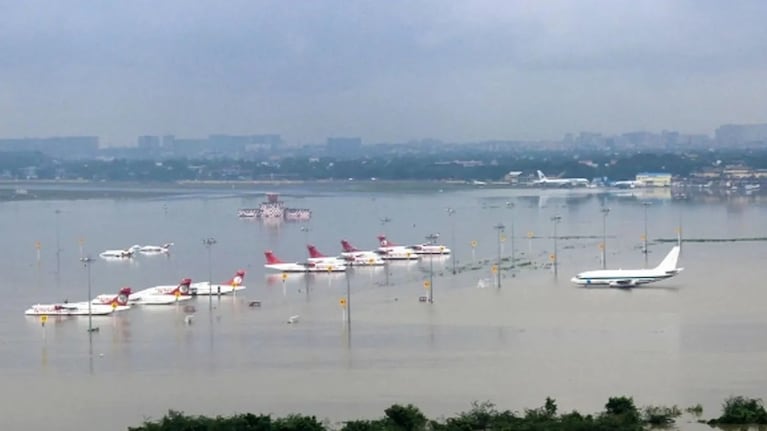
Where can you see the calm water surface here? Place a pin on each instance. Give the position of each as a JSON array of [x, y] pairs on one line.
[[697, 338]]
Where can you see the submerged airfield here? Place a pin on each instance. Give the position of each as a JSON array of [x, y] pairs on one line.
[[513, 339]]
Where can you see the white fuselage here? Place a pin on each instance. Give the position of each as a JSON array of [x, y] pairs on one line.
[[326, 260], [116, 254], [397, 252], [153, 249], [623, 277], [306, 267], [363, 258], [205, 288], [69, 309], [286, 267], [430, 249]]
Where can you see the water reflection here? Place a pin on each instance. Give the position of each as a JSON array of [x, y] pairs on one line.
[[90, 352], [467, 338]]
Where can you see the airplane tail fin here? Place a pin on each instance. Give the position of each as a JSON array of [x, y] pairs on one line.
[[271, 258], [313, 252], [122, 297], [238, 279], [183, 287], [383, 242], [347, 247], [541, 176], [669, 262]]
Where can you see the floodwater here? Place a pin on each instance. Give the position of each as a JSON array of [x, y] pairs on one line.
[[696, 338]]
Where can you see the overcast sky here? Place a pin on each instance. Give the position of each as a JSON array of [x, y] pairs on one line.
[[383, 70]]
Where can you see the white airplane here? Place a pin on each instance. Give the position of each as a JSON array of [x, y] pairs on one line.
[[152, 249], [116, 254], [356, 257], [232, 285], [631, 277], [560, 182], [316, 257], [115, 303], [161, 295], [390, 251], [273, 262]]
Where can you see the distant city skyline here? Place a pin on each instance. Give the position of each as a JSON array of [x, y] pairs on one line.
[[384, 71]]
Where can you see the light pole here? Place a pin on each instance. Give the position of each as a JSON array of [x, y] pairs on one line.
[[348, 308], [208, 243], [510, 205], [385, 220], [450, 212], [87, 263], [432, 238], [605, 211], [644, 237], [555, 219], [499, 227]]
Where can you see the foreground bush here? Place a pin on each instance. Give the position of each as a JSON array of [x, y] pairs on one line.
[[620, 414], [741, 411]]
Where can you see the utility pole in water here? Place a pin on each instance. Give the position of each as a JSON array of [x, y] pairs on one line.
[[500, 228], [555, 257]]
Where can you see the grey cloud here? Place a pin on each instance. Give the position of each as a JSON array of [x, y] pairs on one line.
[[391, 70]]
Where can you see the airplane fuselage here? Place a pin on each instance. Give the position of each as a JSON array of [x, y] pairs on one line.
[[362, 258], [622, 278]]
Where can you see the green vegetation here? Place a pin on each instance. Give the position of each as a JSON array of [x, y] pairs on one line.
[[620, 414], [416, 166], [696, 410], [741, 411]]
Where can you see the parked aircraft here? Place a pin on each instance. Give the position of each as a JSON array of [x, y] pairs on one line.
[[631, 277]]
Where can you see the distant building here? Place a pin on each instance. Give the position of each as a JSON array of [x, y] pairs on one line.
[[653, 179], [343, 146], [149, 143], [741, 134]]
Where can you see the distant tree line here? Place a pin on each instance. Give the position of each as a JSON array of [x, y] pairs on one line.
[[467, 166], [620, 413]]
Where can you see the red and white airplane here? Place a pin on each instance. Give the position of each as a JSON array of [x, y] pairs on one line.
[[84, 308], [357, 257], [389, 251], [232, 285], [273, 262], [316, 257], [160, 295]]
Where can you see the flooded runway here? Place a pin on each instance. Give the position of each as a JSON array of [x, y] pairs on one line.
[[695, 338]]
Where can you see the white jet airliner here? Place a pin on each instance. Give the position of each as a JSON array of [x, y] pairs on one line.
[[631, 277], [560, 182]]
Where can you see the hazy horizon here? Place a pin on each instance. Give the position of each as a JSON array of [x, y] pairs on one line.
[[383, 71]]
